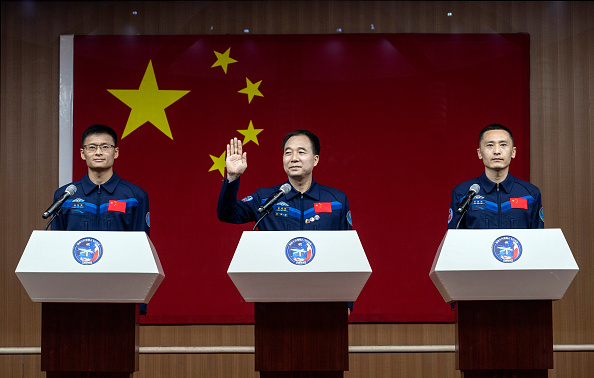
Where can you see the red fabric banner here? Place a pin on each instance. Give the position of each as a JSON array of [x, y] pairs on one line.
[[398, 116]]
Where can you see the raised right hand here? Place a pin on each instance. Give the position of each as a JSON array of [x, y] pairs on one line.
[[236, 160]]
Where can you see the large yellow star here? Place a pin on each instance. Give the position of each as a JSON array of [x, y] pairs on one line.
[[251, 90], [223, 60], [219, 163], [250, 134], [148, 103]]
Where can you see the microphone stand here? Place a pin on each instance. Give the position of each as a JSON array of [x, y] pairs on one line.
[[54, 215], [262, 217], [462, 217], [463, 212]]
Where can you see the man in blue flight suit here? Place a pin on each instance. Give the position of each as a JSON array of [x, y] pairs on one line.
[[103, 201], [503, 201], [308, 206]]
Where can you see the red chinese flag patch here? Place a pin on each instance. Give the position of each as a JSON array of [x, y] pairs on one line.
[[323, 207], [519, 203], [117, 206]]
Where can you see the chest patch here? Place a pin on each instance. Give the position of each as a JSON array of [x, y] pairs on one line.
[[78, 205], [281, 209], [117, 206]]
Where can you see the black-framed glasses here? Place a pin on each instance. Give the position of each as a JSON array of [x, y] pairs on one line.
[[104, 147]]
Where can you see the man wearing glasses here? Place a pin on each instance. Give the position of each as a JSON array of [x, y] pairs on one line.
[[103, 201]]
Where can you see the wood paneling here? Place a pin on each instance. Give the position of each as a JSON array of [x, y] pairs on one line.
[[562, 91]]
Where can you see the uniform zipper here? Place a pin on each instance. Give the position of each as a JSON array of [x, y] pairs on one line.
[[499, 205], [301, 209], [97, 218]]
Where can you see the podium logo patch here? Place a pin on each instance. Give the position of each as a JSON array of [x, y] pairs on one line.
[[87, 251], [507, 249], [300, 251]]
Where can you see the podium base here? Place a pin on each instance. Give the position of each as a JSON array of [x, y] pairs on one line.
[[89, 340], [301, 374], [518, 373], [504, 339], [86, 374], [301, 339]]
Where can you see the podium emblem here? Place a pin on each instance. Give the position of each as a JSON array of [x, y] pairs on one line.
[[300, 251], [87, 251], [507, 249]]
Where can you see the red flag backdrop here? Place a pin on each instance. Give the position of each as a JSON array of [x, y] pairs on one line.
[[398, 116]]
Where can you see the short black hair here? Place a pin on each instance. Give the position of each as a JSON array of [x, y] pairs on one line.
[[494, 126], [100, 129], [315, 141]]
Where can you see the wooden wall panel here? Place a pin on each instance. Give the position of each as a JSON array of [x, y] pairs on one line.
[[21, 366], [562, 137]]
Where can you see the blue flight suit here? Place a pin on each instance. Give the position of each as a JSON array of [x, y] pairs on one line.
[[89, 208], [319, 208], [513, 203]]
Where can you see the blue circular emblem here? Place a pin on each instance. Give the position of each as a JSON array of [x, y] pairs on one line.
[[507, 249], [87, 251], [300, 251]]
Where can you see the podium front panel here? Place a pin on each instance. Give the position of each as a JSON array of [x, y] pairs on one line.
[[93, 266], [472, 265], [263, 267]]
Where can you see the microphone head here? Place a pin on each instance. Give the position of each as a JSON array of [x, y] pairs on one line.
[[71, 189], [475, 188], [285, 188]]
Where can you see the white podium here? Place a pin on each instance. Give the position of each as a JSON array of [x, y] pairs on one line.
[[262, 272], [128, 271], [503, 281], [90, 284], [301, 282]]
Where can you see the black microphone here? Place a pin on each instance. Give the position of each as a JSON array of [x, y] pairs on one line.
[[284, 189], [69, 192], [473, 191]]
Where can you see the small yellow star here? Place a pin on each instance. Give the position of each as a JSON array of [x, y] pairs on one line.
[[251, 90], [219, 163], [250, 134], [223, 60], [147, 103]]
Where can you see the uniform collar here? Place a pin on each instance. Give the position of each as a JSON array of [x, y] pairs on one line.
[[89, 185], [488, 185], [313, 192]]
